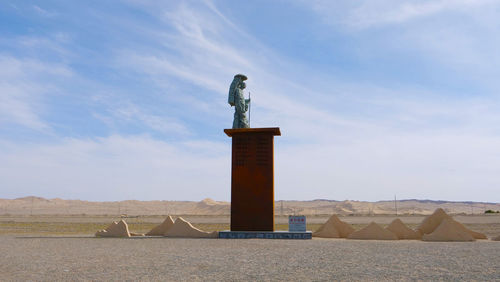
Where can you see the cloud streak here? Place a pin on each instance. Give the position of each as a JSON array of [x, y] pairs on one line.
[[22, 90], [113, 168], [368, 14]]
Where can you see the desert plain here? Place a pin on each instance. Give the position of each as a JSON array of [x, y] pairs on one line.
[[57, 245]]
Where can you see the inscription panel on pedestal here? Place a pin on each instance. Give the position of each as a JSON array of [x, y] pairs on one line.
[[241, 152], [263, 151]]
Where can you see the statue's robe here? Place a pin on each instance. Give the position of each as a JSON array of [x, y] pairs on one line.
[[241, 107]]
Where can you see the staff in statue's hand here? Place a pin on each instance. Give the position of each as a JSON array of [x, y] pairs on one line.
[[249, 107]]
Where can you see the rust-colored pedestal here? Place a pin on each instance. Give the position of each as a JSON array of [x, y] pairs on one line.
[[252, 178]]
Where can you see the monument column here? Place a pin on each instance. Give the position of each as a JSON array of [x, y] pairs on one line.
[[252, 178]]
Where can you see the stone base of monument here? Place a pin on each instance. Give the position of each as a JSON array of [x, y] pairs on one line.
[[265, 235]]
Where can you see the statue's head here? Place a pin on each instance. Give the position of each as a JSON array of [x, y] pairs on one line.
[[242, 77], [236, 84]]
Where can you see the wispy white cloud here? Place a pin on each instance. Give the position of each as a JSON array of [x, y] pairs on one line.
[[44, 12], [158, 123], [53, 43], [160, 67], [16, 68], [457, 37], [366, 14], [113, 168], [22, 88]]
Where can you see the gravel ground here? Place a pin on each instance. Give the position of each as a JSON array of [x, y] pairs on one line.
[[218, 259]]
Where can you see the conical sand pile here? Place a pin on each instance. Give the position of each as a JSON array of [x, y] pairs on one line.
[[475, 234], [373, 232], [116, 229], [334, 228], [449, 230], [461, 227], [182, 228], [431, 222], [162, 228], [402, 231], [327, 231]]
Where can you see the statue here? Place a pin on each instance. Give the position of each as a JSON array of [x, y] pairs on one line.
[[237, 99]]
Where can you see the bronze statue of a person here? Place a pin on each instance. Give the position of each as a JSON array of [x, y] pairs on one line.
[[237, 99]]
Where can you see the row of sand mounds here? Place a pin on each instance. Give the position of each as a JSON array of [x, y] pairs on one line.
[[162, 228], [180, 229], [168, 228], [373, 232], [437, 227], [402, 231], [334, 228], [115, 229]]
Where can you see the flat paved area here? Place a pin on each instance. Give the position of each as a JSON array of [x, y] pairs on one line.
[[230, 260]]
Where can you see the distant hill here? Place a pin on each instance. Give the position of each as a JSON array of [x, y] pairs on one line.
[[37, 205]]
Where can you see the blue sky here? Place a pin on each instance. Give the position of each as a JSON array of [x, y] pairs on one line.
[[113, 100]]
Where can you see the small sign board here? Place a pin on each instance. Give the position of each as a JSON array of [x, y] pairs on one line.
[[297, 223]]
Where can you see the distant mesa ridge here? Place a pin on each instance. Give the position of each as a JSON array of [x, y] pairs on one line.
[[38, 205], [209, 200], [442, 202]]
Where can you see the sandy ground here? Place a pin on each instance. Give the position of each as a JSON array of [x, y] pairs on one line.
[[361, 219], [88, 225], [217, 259]]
